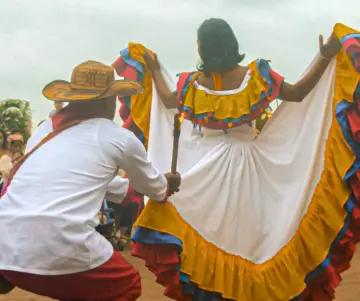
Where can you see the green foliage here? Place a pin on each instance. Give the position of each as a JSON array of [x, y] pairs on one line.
[[15, 115]]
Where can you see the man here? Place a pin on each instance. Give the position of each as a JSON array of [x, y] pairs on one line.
[[48, 214]]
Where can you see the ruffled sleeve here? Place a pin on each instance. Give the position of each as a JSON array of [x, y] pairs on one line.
[[135, 110], [218, 111], [274, 80]]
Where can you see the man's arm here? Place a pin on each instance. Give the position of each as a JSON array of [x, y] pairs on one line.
[[143, 176], [117, 190]]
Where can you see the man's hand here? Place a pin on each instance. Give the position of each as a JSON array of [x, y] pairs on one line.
[[174, 182]]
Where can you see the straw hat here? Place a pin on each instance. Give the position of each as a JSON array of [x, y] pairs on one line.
[[89, 81]]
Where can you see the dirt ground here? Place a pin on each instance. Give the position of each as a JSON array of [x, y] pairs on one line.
[[349, 289]]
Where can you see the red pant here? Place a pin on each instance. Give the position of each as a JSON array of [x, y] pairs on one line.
[[115, 280]]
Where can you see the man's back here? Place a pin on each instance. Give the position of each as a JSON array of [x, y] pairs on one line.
[[60, 188]]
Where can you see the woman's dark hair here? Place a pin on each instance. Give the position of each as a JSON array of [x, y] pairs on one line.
[[4, 144], [219, 48]]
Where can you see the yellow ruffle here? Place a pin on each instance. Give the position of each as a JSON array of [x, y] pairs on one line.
[[281, 277], [141, 104], [229, 106]]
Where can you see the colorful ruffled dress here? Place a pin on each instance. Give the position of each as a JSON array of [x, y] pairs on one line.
[[273, 218]]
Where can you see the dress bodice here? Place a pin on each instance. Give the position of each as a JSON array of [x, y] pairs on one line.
[[227, 109]]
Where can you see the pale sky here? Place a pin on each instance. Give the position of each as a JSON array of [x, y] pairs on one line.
[[42, 40]]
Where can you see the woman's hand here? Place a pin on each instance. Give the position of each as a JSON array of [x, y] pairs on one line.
[[166, 95], [330, 48], [152, 61]]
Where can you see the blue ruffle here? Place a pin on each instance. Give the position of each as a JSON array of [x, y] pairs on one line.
[[125, 54], [146, 236]]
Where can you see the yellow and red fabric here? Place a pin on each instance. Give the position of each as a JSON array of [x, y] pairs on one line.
[[308, 267], [242, 107], [135, 110]]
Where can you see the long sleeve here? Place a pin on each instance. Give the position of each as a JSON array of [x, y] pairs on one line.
[[117, 190], [143, 176]]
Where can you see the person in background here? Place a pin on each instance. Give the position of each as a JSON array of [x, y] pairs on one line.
[[126, 212]]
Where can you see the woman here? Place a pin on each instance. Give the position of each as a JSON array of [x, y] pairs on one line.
[[272, 218]]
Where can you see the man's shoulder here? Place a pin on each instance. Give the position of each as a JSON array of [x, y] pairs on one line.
[[44, 129], [110, 129]]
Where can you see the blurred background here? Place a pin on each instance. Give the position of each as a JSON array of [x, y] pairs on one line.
[[42, 40]]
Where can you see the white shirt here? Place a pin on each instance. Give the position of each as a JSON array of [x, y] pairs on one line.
[[118, 187], [49, 213]]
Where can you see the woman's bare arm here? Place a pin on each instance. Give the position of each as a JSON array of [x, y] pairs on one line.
[[297, 92], [167, 96]]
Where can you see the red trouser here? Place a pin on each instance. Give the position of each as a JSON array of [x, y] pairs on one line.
[[115, 280]]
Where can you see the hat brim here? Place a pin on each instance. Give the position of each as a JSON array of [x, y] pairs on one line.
[[61, 91]]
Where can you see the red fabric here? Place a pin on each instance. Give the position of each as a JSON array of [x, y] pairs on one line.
[[277, 81], [354, 122], [183, 77], [129, 73], [115, 280], [163, 260], [124, 70]]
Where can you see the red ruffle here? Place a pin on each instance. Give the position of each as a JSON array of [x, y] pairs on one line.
[[162, 260]]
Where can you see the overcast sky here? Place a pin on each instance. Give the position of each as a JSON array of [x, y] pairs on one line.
[[42, 40]]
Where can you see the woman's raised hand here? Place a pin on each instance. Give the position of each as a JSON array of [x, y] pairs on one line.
[[152, 61], [330, 48]]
